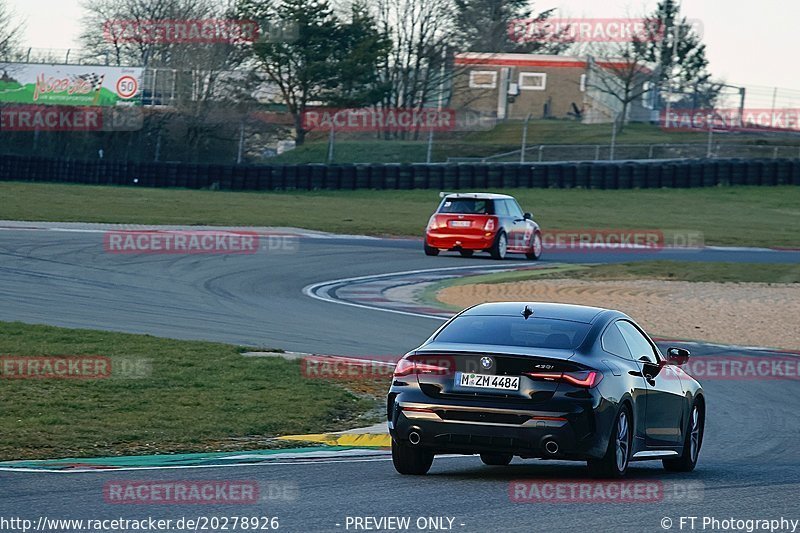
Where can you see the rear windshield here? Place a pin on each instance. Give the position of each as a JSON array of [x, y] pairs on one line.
[[515, 331], [467, 206]]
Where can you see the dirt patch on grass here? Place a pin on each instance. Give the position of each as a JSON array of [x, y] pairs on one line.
[[759, 314]]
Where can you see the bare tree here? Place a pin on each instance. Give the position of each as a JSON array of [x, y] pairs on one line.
[[10, 30], [199, 93], [619, 74], [421, 32]]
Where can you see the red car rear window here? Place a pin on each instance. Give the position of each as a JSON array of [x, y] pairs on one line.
[[467, 206]]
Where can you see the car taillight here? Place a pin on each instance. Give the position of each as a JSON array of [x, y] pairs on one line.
[[408, 366], [490, 225], [588, 378], [432, 222]]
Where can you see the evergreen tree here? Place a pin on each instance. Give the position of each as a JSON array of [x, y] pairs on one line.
[[485, 26], [675, 49], [329, 61]]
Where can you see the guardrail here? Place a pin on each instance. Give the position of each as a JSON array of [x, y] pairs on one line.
[[441, 176], [621, 152]]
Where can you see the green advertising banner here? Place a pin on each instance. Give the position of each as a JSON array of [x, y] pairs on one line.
[[78, 85]]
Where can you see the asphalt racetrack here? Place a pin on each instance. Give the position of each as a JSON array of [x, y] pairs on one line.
[[749, 466]]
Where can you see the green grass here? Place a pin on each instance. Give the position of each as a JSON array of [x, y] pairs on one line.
[[505, 137], [195, 396], [751, 216], [662, 270], [689, 271]]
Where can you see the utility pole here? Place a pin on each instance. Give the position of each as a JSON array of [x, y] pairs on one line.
[[675, 37], [442, 73]]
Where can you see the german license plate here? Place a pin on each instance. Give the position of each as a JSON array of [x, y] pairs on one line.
[[460, 223], [487, 381]]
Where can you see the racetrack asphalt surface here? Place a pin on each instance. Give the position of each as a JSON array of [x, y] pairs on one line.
[[749, 466]]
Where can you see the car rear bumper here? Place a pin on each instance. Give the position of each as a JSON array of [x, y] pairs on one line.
[[579, 432], [450, 241]]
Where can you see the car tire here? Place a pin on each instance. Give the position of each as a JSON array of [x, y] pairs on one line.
[[496, 459], [411, 461], [500, 246], [429, 250], [466, 253], [614, 464], [692, 443], [536, 247]]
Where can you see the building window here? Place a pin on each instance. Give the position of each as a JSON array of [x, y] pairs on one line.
[[532, 81], [483, 79], [583, 82]]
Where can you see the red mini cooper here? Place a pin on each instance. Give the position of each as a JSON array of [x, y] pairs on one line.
[[482, 222]]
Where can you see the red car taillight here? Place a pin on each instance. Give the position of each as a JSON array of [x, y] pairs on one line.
[[407, 366], [490, 225], [436, 223], [586, 379]]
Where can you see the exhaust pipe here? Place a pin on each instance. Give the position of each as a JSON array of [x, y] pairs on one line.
[[414, 437], [551, 447]]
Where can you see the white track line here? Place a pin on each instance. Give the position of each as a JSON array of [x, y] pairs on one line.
[[311, 290]]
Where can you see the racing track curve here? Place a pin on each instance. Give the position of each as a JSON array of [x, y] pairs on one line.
[[749, 465]]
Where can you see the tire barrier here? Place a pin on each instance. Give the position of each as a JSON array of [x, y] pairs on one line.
[[455, 176]]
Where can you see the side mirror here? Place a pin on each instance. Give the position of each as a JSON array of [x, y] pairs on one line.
[[677, 356], [528, 216]]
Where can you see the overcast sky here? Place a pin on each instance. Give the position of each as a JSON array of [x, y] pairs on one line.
[[746, 40]]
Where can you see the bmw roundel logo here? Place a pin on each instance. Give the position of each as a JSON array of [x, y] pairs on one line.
[[486, 362]]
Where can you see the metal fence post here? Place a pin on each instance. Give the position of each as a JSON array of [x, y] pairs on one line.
[[331, 140], [241, 144], [524, 139], [613, 139]]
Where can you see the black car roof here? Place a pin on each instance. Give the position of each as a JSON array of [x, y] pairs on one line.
[[575, 313]]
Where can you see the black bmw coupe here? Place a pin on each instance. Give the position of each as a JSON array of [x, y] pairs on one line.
[[549, 381]]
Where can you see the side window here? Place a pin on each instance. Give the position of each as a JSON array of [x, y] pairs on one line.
[[514, 208], [500, 208], [613, 342], [637, 342]]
